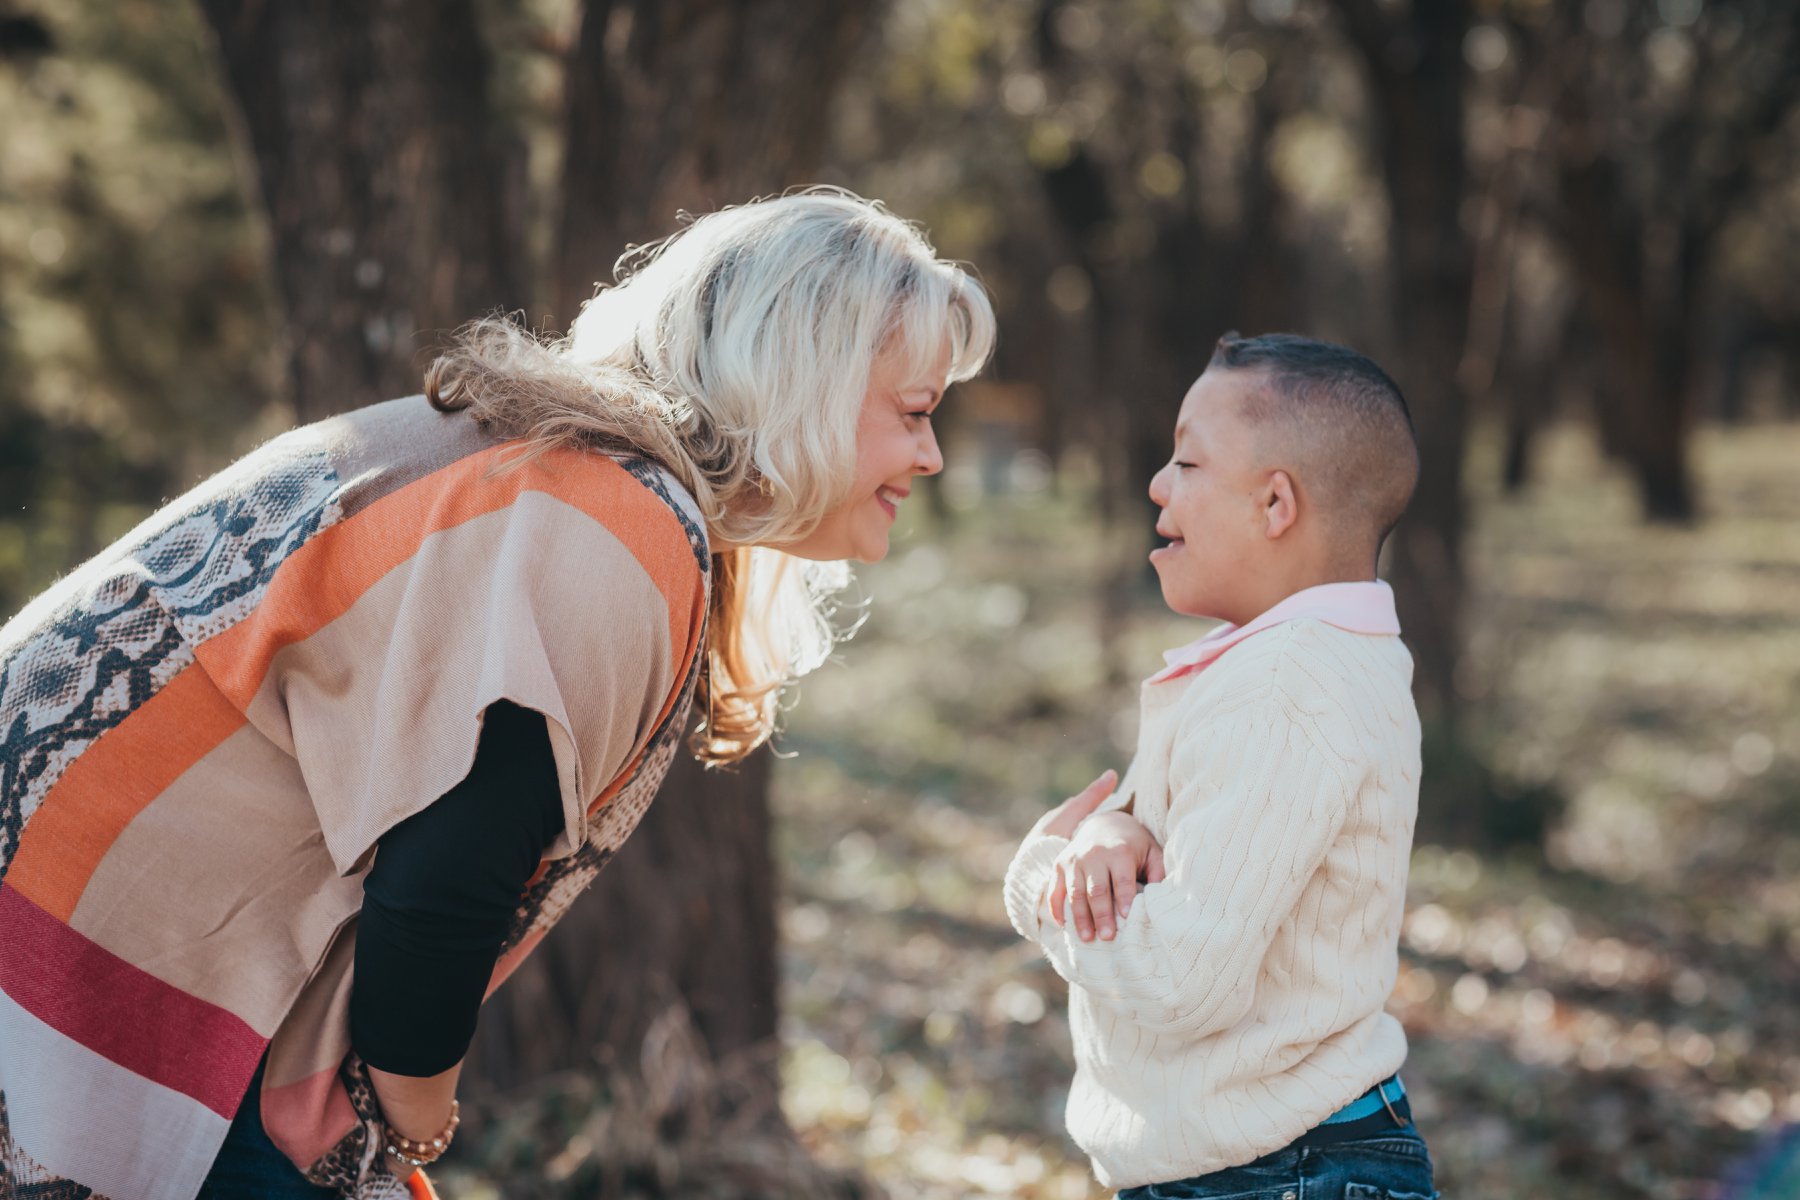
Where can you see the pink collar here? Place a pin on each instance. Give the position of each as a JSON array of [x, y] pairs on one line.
[[1357, 607]]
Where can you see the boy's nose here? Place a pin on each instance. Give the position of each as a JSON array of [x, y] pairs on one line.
[[1159, 487]]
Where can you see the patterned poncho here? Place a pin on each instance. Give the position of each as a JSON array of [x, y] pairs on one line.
[[204, 731]]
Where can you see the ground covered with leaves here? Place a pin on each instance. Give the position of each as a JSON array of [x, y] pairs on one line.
[[1607, 1012]]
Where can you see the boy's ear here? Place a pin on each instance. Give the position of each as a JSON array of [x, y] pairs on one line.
[[1281, 504]]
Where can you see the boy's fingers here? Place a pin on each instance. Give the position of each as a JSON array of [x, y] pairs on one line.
[[1153, 866], [1124, 885], [1079, 914], [1100, 901]]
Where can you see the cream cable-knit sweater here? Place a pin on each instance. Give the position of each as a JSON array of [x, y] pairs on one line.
[[1241, 1001]]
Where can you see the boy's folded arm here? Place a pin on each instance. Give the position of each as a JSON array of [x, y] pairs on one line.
[[1027, 878], [1032, 866], [1250, 829]]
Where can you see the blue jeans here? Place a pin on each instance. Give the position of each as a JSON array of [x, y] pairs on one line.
[[1382, 1166], [249, 1166]]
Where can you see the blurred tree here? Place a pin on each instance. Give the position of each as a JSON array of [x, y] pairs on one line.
[[23, 456], [1194, 169], [135, 314], [1663, 114], [1755, 326], [1417, 75], [680, 924], [23, 35], [1153, 159], [388, 185], [689, 105]]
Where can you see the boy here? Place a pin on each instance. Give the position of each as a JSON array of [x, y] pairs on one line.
[[1230, 1038]]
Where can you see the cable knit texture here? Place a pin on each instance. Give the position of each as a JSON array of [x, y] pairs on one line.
[[1241, 1002]]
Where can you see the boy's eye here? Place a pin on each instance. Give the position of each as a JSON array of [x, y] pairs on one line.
[[1182, 466]]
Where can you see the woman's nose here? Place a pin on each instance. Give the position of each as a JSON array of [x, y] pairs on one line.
[[931, 458]]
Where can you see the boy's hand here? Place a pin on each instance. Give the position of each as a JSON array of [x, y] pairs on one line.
[[1100, 871]]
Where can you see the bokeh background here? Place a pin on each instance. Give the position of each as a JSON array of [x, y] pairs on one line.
[[1567, 227]]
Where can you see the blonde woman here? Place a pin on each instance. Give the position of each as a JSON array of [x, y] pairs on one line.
[[330, 715]]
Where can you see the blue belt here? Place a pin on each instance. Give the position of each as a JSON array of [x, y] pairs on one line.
[[1384, 1096], [1379, 1110]]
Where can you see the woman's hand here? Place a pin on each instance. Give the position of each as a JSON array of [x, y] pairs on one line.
[[1099, 873], [417, 1107]]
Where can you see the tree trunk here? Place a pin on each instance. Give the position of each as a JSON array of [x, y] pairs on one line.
[[1529, 402], [1418, 82], [1659, 421], [683, 915], [1645, 414], [384, 178], [675, 105], [1530, 369], [687, 106]]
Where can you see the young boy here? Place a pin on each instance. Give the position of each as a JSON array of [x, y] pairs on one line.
[[1233, 909]]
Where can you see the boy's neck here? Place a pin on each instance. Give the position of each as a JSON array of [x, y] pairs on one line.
[[1278, 587]]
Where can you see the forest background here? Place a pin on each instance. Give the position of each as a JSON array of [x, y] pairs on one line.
[[1567, 228]]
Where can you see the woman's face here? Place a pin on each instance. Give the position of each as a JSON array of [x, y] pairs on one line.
[[894, 444]]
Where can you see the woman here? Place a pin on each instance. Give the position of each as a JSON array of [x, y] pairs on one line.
[[332, 713]]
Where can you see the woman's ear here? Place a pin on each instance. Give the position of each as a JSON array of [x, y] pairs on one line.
[[1281, 504]]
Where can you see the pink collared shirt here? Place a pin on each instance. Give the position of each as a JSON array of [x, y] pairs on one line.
[[1357, 607]]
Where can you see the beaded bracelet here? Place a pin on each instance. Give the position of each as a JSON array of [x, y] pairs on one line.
[[423, 1154]]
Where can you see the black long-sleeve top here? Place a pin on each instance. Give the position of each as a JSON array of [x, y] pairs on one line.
[[437, 901]]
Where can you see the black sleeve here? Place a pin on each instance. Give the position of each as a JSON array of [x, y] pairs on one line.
[[438, 899]]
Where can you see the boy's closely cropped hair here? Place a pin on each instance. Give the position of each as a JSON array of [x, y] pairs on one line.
[[1228, 915]]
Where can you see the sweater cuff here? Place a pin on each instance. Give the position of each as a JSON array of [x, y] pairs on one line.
[[1026, 880]]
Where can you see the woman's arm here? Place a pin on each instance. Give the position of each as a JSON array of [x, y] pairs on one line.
[[436, 907], [417, 1108]]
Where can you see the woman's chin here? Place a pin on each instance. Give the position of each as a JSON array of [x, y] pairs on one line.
[[816, 549], [870, 553]]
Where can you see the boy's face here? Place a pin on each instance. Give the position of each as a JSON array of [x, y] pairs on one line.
[[1211, 495]]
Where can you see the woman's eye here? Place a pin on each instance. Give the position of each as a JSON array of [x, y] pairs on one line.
[[922, 414]]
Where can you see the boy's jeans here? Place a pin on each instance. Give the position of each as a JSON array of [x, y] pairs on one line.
[[1383, 1166]]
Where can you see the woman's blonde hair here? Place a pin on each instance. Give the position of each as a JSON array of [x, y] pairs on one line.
[[736, 354]]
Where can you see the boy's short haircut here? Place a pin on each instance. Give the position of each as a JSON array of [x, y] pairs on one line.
[[1341, 422]]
